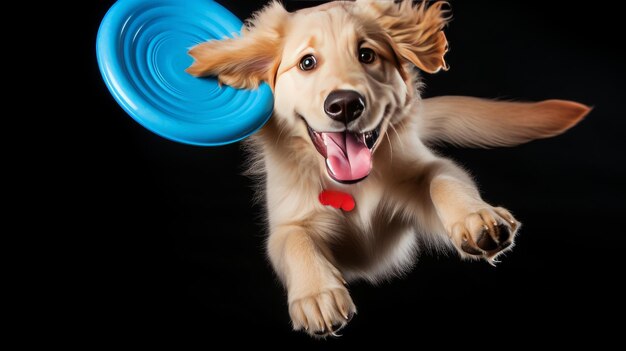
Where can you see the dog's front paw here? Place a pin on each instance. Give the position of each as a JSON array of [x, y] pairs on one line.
[[485, 233], [323, 313]]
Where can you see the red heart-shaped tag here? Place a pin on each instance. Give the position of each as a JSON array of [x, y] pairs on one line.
[[337, 199]]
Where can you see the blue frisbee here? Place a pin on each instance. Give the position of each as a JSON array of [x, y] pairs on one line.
[[142, 54]]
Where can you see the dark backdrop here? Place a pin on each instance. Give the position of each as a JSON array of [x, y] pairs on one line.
[[182, 244]]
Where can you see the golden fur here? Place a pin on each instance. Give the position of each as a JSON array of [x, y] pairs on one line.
[[412, 197]]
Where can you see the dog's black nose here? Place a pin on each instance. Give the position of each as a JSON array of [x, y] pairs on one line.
[[344, 105]]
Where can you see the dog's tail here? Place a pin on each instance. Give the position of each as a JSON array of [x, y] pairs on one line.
[[473, 122]]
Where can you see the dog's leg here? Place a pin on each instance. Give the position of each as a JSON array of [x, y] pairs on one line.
[[319, 302], [477, 229]]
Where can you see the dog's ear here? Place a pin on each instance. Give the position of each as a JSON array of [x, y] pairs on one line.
[[415, 32], [245, 61]]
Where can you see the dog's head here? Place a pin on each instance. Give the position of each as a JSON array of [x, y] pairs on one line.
[[340, 72]]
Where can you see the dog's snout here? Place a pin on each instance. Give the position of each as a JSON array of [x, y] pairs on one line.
[[344, 105]]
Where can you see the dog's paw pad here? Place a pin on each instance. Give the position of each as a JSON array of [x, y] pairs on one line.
[[485, 233]]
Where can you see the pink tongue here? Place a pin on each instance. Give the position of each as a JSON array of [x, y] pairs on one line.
[[347, 157]]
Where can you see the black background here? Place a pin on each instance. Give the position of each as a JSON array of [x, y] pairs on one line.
[[181, 246]]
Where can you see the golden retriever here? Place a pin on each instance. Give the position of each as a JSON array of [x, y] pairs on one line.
[[349, 125]]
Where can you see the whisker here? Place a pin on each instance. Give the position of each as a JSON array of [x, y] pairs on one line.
[[280, 132], [390, 146], [397, 134]]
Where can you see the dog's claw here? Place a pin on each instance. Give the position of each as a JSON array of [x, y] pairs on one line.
[[338, 326]]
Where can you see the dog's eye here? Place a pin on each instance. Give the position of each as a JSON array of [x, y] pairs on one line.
[[308, 62], [367, 55]]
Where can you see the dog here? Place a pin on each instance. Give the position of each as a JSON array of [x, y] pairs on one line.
[[350, 130]]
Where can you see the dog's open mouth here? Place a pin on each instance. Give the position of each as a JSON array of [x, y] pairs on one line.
[[348, 154]]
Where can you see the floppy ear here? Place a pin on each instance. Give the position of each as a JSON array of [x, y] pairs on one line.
[[415, 31], [244, 61], [468, 121]]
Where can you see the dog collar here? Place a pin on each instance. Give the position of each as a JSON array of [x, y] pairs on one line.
[[337, 199]]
